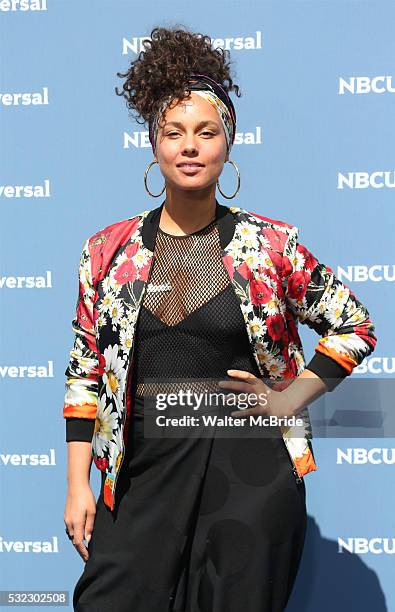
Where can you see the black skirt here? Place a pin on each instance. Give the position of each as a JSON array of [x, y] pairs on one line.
[[202, 524]]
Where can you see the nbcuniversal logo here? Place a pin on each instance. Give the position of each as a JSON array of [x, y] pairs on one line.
[[23, 5], [378, 179], [28, 546], [361, 274], [28, 459], [362, 456], [376, 365], [366, 85], [362, 546], [140, 140], [236, 43]]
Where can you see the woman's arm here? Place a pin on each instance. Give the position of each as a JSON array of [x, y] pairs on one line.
[[79, 461], [317, 298], [80, 510], [303, 390], [79, 410], [82, 373]]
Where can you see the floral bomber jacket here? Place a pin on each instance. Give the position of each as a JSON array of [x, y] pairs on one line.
[[278, 283]]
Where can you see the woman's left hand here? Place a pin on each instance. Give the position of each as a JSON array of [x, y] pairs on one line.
[[266, 401]]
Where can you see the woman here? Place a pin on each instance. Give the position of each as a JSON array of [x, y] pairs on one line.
[[196, 297]]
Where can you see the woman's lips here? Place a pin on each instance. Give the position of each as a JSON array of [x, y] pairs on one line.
[[190, 168]]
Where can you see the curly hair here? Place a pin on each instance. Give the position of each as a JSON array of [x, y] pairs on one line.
[[162, 70]]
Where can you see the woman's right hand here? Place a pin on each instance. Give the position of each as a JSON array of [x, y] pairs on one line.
[[79, 516]]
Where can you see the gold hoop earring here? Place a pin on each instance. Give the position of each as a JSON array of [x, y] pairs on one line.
[[238, 181], [145, 180]]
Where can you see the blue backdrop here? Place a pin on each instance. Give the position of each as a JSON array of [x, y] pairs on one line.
[[315, 148]]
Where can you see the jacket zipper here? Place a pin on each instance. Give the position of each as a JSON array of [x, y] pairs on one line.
[[297, 477], [131, 353], [294, 470]]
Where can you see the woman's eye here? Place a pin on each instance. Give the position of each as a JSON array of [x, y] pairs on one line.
[[175, 133]]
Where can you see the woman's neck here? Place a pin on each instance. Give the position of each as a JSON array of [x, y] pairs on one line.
[[185, 217]]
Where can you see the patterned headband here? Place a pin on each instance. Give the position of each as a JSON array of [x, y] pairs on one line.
[[216, 95]]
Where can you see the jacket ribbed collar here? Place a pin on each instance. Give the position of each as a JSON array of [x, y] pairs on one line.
[[226, 221]]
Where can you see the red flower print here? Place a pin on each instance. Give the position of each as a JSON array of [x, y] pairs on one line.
[[285, 341], [276, 279], [363, 329], [101, 462], [132, 249], [275, 326], [259, 291], [96, 314], [126, 272], [228, 263], [276, 239], [310, 260], [84, 317], [277, 261], [289, 375], [102, 364], [286, 266], [245, 271], [297, 284], [291, 326], [144, 271]]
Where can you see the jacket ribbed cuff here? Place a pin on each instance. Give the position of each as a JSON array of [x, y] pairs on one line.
[[328, 369], [79, 430]]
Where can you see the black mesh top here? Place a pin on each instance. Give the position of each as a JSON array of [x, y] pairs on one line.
[[190, 324]]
